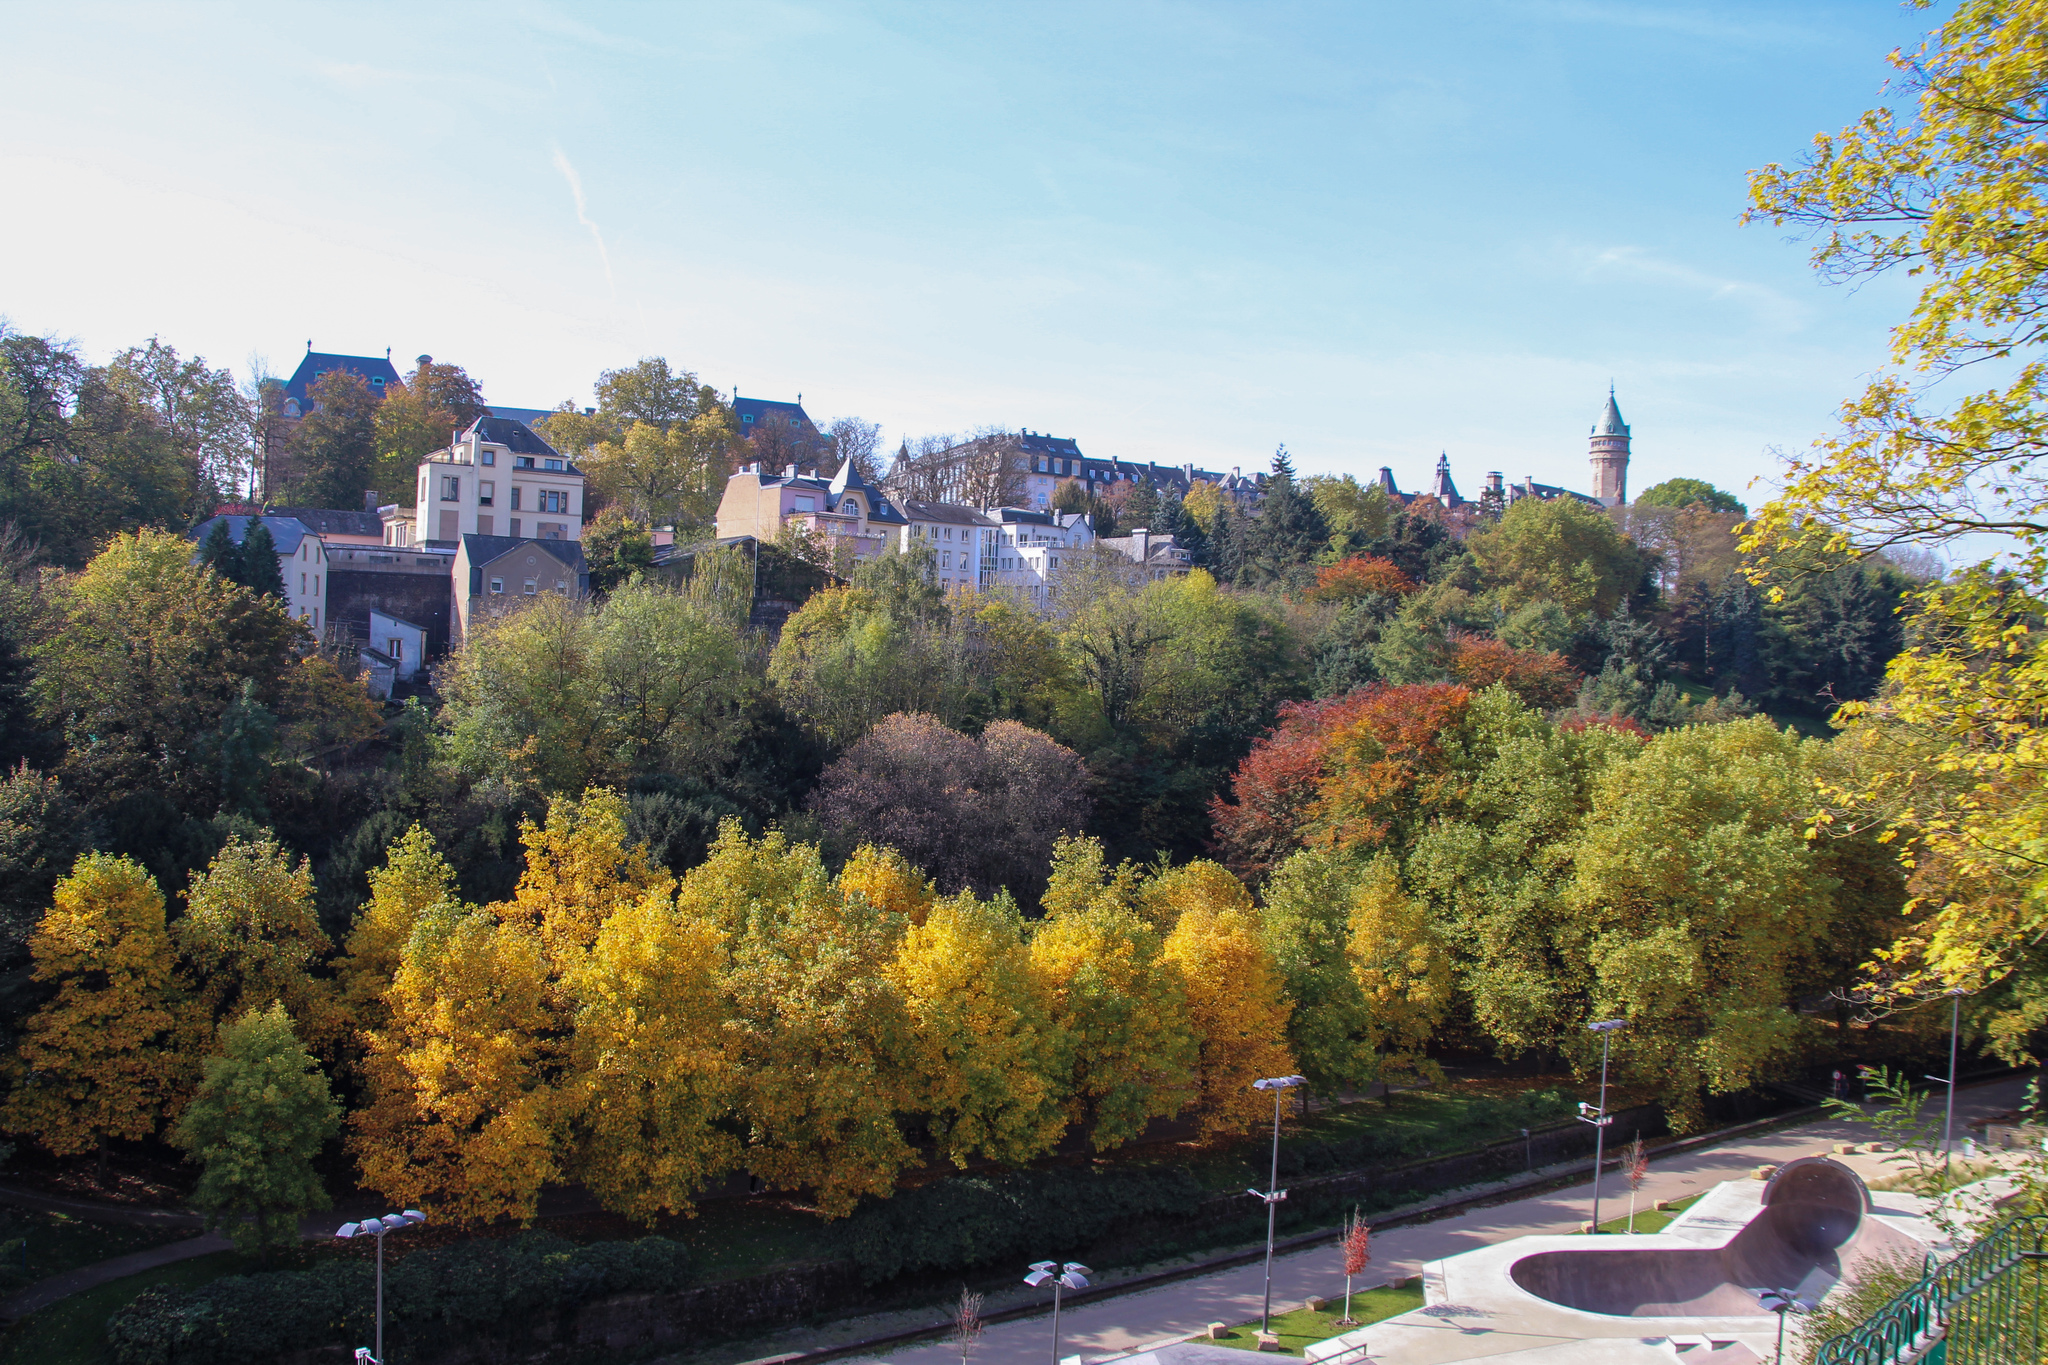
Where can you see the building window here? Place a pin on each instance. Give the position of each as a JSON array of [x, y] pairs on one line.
[[451, 488], [515, 528], [748, 417], [532, 587], [522, 461], [551, 464], [302, 582], [485, 491], [395, 647], [515, 498], [497, 585], [488, 457], [805, 504]]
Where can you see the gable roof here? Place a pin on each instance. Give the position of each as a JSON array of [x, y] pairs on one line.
[[514, 435], [287, 532], [334, 521], [752, 412], [395, 620], [952, 512], [376, 371], [526, 415], [484, 551]]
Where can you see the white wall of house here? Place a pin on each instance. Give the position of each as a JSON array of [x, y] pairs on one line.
[[403, 641], [476, 487], [305, 581]]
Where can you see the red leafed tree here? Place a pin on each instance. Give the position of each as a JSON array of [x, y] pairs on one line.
[[1360, 576], [1541, 679], [1340, 770], [1357, 1248]]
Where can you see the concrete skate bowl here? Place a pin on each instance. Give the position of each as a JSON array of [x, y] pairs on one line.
[[1812, 1225]]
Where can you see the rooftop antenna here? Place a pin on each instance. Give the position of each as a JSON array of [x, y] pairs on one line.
[[309, 345]]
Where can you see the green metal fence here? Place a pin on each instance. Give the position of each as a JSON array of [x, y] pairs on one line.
[[1982, 1308]]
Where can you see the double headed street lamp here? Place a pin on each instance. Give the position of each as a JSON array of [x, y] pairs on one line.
[[1273, 1194], [1072, 1275], [377, 1227], [1781, 1302], [1600, 1118]]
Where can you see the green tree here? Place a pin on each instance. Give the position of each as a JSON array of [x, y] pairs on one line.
[[434, 402], [42, 833], [201, 411], [1690, 493], [671, 475], [151, 652], [1559, 549], [1306, 928], [1283, 541], [219, 552], [250, 936], [260, 1117], [615, 547], [261, 571], [334, 449]]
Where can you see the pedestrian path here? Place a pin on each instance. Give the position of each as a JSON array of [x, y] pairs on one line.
[[1176, 1311], [45, 1292]]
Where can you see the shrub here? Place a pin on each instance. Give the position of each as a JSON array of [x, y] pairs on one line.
[[978, 1220], [432, 1300]]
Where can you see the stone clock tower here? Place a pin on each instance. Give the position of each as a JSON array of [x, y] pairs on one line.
[[1609, 454]]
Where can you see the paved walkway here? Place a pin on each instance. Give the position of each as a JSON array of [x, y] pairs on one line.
[[1177, 1311], [45, 1292]]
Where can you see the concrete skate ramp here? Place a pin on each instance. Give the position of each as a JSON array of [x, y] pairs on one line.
[[1811, 1225]]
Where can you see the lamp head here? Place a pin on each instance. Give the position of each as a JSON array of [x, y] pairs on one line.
[[1607, 1026], [1037, 1278], [1279, 1083]]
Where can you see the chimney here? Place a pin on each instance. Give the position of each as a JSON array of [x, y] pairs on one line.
[[426, 360], [369, 499], [1143, 538], [1493, 481], [789, 471]]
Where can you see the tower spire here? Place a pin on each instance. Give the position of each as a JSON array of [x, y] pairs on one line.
[[1608, 452]]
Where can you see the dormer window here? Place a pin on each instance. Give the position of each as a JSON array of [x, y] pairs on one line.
[[747, 417], [522, 461], [551, 464]]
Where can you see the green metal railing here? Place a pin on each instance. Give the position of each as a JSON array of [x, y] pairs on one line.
[[1982, 1308]]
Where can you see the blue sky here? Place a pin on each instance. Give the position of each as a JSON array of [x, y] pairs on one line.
[[1173, 231]]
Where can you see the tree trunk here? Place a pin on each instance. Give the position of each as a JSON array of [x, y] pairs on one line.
[[100, 1170]]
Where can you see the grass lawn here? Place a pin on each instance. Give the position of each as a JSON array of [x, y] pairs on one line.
[[1652, 1220], [1302, 1328], [73, 1331], [52, 1243]]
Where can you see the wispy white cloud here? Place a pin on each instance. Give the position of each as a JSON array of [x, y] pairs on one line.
[[360, 75], [568, 170], [1769, 306]]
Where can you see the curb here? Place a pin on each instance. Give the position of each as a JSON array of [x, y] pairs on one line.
[[1552, 1177]]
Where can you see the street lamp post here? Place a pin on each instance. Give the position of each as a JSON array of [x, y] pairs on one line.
[[1599, 1118], [1781, 1302], [1279, 1085], [1072, 1275], [377, 1227]]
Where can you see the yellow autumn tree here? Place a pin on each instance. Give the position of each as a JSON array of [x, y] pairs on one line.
[[104, 1058], [1121, 1007], [888, 881], [1197, 885], [651, 1072], [251, 936], [414, 879], [1402, 970], [579, 869], [1238, 1006], [988, 1053], [823, 1046], [464, 1120]]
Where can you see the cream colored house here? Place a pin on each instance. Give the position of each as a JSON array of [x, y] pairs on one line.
[[495, 479], [497, 574], [959, 538], [1029, 546], [301, 559], [852, 515]]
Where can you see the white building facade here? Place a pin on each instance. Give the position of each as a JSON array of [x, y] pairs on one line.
[[495, 479], [1025, 548]]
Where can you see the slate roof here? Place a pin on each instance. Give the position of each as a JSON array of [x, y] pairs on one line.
[[334, 521], [526, 415], [287, 532], [1610, 421], [376, 371], [486, 550], [752, 412], [515, 436], [849, 480], [952, 512]]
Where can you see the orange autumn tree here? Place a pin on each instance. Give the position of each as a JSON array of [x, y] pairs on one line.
[[1345, 773], [1360, 576], [1543, 679]]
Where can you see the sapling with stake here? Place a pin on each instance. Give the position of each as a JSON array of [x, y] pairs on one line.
[[1357, 1245], [1636, 1166], [967, 1325]]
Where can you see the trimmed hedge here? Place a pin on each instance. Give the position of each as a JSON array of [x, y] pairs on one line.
[[432, 1300], [976, 1220]]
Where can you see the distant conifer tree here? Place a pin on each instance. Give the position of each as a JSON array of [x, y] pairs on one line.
[[260, 569]]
